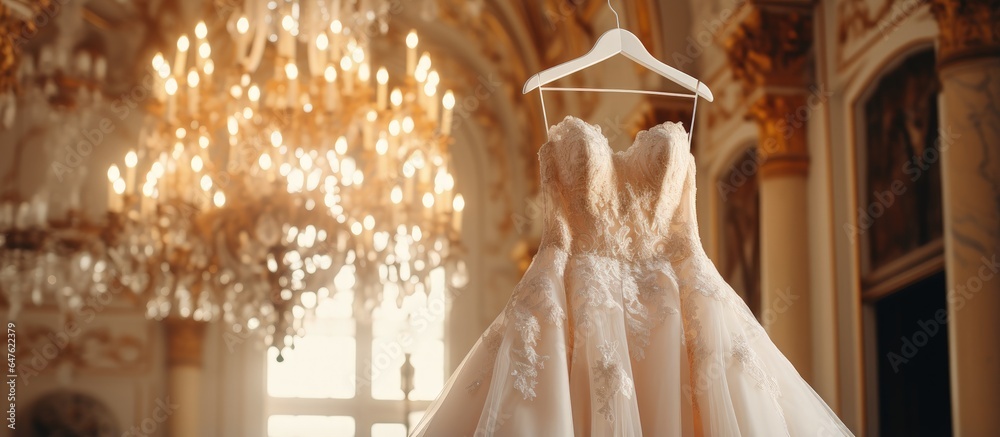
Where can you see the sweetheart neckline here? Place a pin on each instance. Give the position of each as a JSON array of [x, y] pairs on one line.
[[668, 127]]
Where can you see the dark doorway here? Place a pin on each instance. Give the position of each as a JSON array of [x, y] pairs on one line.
[[913, 381]]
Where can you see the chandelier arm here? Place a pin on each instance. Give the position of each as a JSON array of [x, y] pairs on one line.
[[13, 175]]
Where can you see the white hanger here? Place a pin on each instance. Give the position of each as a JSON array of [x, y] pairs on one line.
[[613, 42]]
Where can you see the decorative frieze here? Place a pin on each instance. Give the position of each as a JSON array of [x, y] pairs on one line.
[[770, 53], [185, 341], [782, 148], [967, 29]]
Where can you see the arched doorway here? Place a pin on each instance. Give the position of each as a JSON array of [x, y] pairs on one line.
[[740, 228], [899, 231]]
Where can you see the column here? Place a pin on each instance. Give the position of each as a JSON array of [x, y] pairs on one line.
[[184, 357], [969, 70], [784, 231], [769, 53]]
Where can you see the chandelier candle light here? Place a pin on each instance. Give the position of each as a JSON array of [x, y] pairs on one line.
[[263, 176]]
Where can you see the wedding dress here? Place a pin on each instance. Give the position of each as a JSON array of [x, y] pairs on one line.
[[622, 326]]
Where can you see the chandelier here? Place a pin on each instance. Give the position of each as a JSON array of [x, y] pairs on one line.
[[17, 22], [50, 252], [274, 159]]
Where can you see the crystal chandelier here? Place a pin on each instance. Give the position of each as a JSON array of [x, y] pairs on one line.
[[275, 158], [16, 24], [50, 252]]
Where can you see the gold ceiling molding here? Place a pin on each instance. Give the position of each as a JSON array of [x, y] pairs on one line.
[[15, 29], [185, 342], [772, 46], [723, 108], [93, 351], [482, 93], [967, 29], [856, 20], [859, 26], [770, 53]]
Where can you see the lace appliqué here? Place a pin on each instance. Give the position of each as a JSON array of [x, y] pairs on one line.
[[491, 340], [533, 302], [610, 379], [591, 280], [528, 305], [647, 304], [751, 363]]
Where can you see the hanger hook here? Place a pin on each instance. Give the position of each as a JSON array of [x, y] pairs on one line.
[[613, 11]]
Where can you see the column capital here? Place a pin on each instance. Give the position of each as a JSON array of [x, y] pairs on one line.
[[967, 29], [771, 46], [770, 53], [782, 149], [185, 341]]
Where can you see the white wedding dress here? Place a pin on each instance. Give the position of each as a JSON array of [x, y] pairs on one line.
[[622, 326]]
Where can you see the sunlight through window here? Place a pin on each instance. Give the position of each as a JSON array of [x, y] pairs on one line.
[[310, 426], [349, 366]]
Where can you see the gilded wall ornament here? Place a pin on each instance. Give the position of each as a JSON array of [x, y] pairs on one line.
[[771, 46], [967, 29]]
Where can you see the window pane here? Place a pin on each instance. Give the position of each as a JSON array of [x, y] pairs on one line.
[[338, 305], [415, 418], [428, 366], [391, 339], [388, 430], [902, 143], [387, 359], [319, 367], [310, 426], [323, 363]]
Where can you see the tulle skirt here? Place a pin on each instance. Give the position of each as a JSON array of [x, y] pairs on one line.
[[597, 346]]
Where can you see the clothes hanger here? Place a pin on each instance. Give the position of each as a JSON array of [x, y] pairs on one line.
[[613, 42]]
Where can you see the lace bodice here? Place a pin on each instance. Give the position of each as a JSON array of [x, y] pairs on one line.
[[629, 204]]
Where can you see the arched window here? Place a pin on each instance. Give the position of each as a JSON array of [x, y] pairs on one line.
[[901, 208], [72, 413], [740, 197], [344, 377]]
